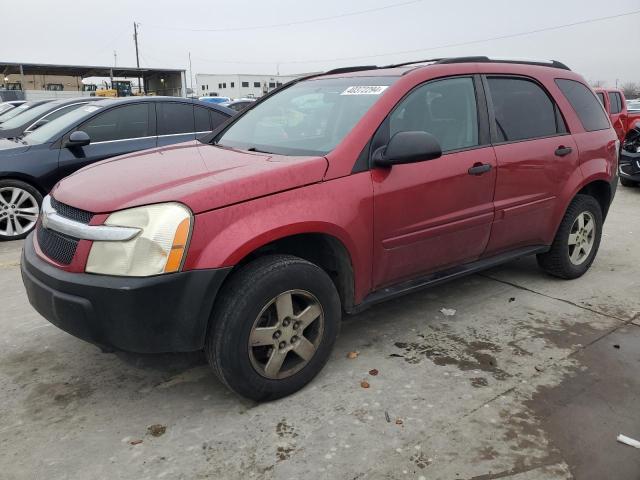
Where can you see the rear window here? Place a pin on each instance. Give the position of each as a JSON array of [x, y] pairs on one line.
[[586, 105]]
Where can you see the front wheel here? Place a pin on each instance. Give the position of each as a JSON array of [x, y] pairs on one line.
[[577, 240], [273, 327], [19, 209]]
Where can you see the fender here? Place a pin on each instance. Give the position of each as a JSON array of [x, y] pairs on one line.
[[340, 208]]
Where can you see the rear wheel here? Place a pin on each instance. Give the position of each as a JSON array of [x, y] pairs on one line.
[[274, 327], [577, 240], [19, 209], [628, 183]]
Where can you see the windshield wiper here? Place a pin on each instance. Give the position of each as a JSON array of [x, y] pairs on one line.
[[254, 149]]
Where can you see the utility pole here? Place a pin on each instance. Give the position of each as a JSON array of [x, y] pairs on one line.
[[115, 59], [190, 76], [135, 39]]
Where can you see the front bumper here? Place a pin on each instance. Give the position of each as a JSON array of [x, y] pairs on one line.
[[629, 166], [164, 313]]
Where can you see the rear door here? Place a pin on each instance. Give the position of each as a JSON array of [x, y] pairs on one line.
[[432, 214], [117, 131], [536, 156], [175, 122]]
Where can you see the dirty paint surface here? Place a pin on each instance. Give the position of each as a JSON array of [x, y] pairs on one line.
[[513, 385]]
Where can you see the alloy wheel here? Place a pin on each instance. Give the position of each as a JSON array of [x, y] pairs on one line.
[[581, 238], [286, 334], [19, 211]]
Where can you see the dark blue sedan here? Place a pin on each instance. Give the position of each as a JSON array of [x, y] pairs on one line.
[[30, 166]]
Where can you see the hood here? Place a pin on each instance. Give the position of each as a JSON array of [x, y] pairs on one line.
[[201, 176], [10, 147]]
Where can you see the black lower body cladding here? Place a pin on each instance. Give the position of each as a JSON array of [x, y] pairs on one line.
[[164, 313]]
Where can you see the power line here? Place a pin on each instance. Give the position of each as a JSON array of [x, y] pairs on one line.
[[418, 50], [471, 42], [288, 24]]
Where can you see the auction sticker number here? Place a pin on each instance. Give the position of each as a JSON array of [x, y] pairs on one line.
[[365, 90]]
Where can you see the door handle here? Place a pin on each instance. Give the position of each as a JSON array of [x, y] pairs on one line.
[[479, 168], [563, 151]]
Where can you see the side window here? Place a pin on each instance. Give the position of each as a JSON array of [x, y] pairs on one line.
[[203, 121], [175, 118], [445, 108], [600, 97], [130, 121], [585, 104], [523, 110], [217, 118], [616, 103]]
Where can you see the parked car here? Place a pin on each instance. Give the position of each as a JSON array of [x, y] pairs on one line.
[[633, 105], [35, 117], [252, 243], [19, 110], [622, 119], [240, 104], [6, 106], [629, 167], [32, 165], [215, 99]]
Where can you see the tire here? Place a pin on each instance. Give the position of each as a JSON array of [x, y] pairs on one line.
[[628, 183], [562, 260], [20, 205], [254, 305]]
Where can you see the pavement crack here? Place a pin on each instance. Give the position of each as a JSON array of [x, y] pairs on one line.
[[564, 300]]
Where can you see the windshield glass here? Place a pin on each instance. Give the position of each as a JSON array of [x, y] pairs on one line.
[[308, 118], [59, 126], [13, 112], [5, 106], [31, 114]]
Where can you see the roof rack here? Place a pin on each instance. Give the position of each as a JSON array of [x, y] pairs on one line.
[[476, 59]]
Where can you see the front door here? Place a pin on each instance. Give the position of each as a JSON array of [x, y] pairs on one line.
[[117, 131], [433, 214]]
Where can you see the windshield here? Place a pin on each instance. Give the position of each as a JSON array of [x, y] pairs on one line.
[[14, 112], [308, 118], [28, 116], [5, 106], [59, 126]]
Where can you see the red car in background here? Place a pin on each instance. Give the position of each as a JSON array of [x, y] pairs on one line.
[[615, 104]]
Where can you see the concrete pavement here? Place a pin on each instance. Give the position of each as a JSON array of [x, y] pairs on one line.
[[532, 378]]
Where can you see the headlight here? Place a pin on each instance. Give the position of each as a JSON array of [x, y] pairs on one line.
[[158, 248]]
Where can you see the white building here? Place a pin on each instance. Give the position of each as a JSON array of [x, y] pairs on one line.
[[238, 85]]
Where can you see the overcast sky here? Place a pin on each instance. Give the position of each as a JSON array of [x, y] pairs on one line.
[[71, 32]]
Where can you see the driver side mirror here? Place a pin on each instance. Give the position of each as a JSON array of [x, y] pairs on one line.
[[408, 147], [78, 139]]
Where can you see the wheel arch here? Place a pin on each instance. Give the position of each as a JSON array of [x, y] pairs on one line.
[[319, 247], [21, 177]]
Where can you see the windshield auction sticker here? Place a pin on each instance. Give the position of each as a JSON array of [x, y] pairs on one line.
[[365, 90]]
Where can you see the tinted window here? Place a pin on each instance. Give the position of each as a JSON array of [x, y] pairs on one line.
[[239, 106], [175, 118], [217, 118], [256, 84], [445, 108], [616, 103], [522, 110], [203, 122], [585, 104], [600, 97], [130, 121], [245, 84]]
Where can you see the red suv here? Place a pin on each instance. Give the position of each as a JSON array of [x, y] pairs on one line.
[[335, 192]]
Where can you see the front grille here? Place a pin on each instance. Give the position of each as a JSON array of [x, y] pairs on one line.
[[71, 213], [56, 246]]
